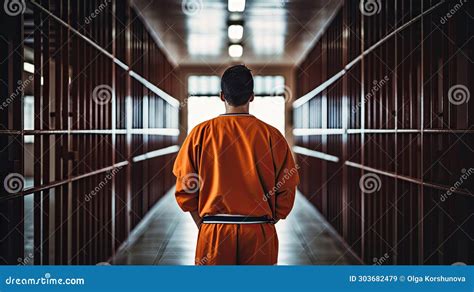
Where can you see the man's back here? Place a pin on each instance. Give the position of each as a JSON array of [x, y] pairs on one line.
[[237, 177], [238, 161]]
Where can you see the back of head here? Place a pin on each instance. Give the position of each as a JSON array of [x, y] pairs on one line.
[[237, 85]]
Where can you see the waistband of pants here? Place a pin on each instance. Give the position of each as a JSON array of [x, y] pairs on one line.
[[235, 219]]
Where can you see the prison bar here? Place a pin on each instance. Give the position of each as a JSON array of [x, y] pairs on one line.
[[105, 130], [374, 101]]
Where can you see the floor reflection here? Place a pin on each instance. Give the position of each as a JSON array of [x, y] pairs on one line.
[[170, 239]]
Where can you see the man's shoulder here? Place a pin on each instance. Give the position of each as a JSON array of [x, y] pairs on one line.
[[199, 128], [274, 132]]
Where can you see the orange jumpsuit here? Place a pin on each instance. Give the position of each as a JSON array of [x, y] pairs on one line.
[[236, 165]]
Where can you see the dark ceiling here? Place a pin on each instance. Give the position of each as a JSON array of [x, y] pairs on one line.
[[277, 32]]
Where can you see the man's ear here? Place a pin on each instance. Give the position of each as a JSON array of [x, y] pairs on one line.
[[252, 97], [222, 96]]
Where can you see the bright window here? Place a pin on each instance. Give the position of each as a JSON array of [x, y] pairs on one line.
[[28, 116], [204, 102]]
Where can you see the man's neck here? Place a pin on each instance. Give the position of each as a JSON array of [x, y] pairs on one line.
[[244, 109]]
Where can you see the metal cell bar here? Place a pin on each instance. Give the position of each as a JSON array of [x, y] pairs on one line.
[[78, 142], [12, 157], [37, 203], [315, 154], [149, 131], [168, 98], [319, 131], [45, 140], [152, 154], [75, 102], [410, 179], [300, 101], [64, 146], [58, 141], [404, 133]]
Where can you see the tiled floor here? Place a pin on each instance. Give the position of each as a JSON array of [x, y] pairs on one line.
[[170, 238]]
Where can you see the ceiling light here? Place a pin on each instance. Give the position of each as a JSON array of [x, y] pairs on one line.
[[204, 45], [268, 44], [236, 17], [236, 32], [236, 51], [201, 24], [28, 67], [236, 5]]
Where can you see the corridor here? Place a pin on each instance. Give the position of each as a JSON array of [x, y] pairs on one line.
[[169, 238], [373, 98]]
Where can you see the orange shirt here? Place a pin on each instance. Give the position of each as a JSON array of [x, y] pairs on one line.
[[237, 165]]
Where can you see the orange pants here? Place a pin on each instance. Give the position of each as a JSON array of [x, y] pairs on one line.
[[237, 244]]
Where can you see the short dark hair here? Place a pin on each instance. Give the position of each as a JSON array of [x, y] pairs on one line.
[[237, 85]]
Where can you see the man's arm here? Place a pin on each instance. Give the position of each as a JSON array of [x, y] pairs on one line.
[[187, 178], [287, 178], [197, 219]]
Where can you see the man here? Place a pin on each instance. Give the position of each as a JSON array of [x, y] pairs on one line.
[[237, 177]]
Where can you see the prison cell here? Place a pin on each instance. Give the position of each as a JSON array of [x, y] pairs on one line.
[[105, 130], [374, 101]]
